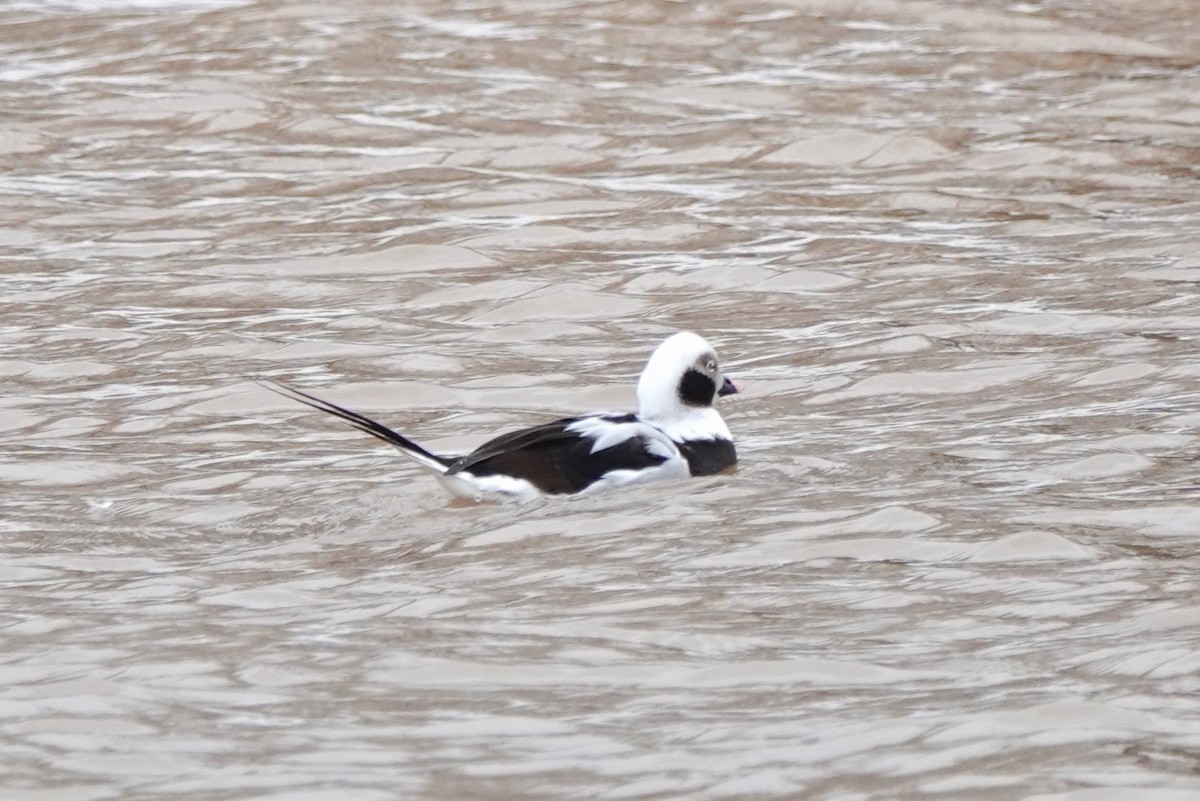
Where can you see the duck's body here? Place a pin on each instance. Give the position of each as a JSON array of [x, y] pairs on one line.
[[676, 433]]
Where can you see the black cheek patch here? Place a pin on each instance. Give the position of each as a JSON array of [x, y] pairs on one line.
[[697, 389]]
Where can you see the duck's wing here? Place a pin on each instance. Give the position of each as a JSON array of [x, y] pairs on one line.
[[569, 455]]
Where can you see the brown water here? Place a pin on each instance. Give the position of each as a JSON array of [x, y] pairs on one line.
[[951, 248]]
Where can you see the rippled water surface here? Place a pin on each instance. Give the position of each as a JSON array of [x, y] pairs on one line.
[[950, 248]]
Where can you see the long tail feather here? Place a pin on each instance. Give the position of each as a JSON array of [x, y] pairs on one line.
[[364, 424]]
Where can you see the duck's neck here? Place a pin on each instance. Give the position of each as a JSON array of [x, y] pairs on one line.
[[683, 423]]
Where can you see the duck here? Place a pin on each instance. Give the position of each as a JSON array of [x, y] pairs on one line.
[[676, 432]]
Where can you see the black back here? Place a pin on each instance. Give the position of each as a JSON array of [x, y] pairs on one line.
[[708, 456], [555, 460]]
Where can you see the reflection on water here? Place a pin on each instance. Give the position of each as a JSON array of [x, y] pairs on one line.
[[948, 249]]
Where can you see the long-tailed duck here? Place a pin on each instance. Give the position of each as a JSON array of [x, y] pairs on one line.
[[675, 433]]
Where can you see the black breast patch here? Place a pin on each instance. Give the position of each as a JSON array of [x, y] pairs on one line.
[[708, 456]]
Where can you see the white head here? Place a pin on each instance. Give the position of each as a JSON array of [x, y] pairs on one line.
[[680, 383]]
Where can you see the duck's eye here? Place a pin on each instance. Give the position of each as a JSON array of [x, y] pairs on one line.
[[710, 365]]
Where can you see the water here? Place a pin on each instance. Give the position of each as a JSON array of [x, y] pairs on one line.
[[950, 250]]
